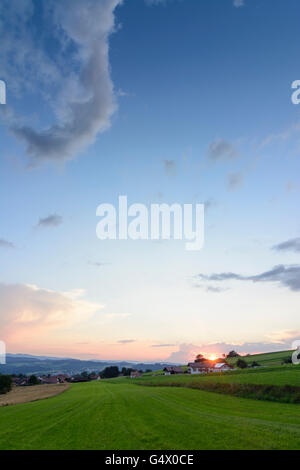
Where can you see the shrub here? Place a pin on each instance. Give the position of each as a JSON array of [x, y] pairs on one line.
[[110, 372], [5, 383], [242, 364], [33, 380], [287, 360], [233, 354], [254, 364]]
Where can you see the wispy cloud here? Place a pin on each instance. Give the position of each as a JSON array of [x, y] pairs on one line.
[[222, 149], [117, 315], [235, 180], [282, 136], [6, 244], [212, 289], [210, 203], [156, 2], [53, 220], [289, 245], [285, 275], [98, 264], [162, 345], [126, 341], [170, 167], [23, 62], [238, 3], [87, 100]]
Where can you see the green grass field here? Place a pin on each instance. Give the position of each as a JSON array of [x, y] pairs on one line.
[[281, 375], [123, 415], [266, 359]]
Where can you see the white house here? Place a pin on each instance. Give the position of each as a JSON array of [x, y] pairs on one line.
[[222, 367], [200, 367]]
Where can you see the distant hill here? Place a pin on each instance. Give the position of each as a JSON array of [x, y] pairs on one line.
[[266, 359], [27, 364]]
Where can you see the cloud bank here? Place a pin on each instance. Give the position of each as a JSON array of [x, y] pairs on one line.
[[289, 245], [87, 100], [235, 180], [285, 275], [222, 150], [6, 244], [238, 3], [53, 220], [31, 310], [277, 341]]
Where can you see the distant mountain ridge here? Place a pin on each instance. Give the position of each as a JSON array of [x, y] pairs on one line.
[[30, 364]]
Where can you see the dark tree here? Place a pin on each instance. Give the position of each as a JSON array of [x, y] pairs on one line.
[[200, 358], [110, 372], [233, 354], [33, 380], [5, 383], [126, 371], [287, 360], [242, 364]]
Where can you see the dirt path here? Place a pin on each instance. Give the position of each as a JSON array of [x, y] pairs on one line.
[[33, 393]]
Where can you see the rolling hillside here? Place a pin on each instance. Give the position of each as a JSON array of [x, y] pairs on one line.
[[266, 359]]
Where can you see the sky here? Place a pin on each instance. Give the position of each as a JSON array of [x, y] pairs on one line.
[[175, 101]]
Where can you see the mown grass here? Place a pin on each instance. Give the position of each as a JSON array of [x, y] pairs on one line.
[[282, 394], [120, 415], [275, 384], [284, 375]]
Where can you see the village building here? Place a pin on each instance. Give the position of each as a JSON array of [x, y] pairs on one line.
[[200, 367], [135, 374], [222, 367], [170, 370], [49, 380]]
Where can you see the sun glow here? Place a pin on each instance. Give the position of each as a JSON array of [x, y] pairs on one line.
[[212, 357]]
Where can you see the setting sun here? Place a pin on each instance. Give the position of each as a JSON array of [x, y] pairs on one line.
[[212, 357]]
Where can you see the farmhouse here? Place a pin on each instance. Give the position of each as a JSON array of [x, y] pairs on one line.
[[20, 381], [200, 367], [222, 366], [49, 380], [173, 370], [135, 374]]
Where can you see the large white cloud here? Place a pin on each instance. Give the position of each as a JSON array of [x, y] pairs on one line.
[[28, 310], [276, 341], [87, 101]]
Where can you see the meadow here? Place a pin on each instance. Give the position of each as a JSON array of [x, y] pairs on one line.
[[148, 413], [281, 375], [266, 359], [119, 414]]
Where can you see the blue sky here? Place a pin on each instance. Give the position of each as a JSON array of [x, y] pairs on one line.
[[179, 101]]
